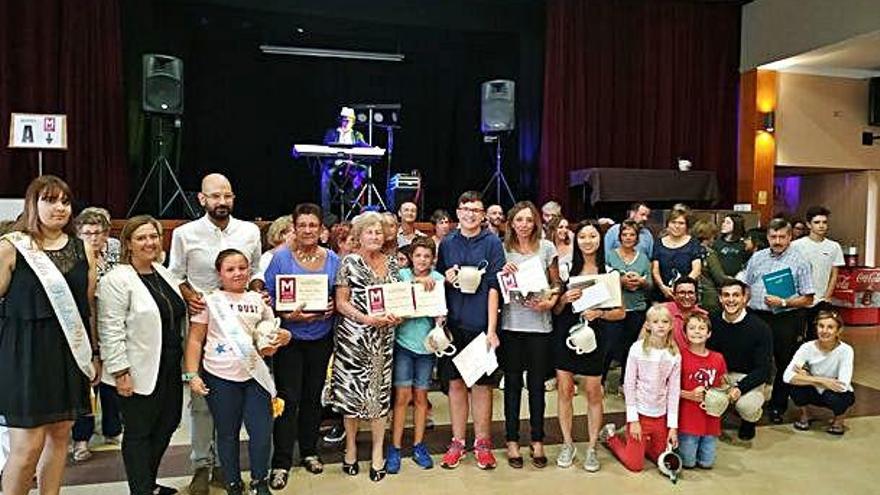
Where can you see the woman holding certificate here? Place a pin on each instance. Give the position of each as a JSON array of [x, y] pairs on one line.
[[362, 362], [526, 321], [48, 356], [141, 323], [588, 259], [300, 368]]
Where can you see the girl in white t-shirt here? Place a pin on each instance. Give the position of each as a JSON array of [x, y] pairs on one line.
[[234, 331]]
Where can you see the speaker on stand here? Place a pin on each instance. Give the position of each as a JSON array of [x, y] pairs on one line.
[[162, 101], [497, 118]]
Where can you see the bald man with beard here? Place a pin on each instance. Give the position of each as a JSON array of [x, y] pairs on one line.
[[194, 248]]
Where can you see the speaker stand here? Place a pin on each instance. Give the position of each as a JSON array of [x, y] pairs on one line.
[[498, 180], [160, 166]]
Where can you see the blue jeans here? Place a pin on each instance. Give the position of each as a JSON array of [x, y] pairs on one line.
[[412, 369], [232, 403], [697, 449], [111, 423]]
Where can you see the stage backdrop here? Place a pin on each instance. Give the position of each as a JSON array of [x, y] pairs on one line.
[[637, 84], [244, 109], [60, 56]]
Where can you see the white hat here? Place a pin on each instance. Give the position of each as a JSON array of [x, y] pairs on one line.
[[347, 112]]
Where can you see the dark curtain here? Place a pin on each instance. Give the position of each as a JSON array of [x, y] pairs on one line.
[[637, 84], [62, 56]]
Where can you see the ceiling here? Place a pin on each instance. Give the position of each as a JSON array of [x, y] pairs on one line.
[[857, 57]]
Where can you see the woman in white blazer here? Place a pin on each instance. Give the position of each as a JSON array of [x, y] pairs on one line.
[[141, 323]]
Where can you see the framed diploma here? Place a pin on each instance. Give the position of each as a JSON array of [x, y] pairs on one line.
[[294, 291], [396, 298]]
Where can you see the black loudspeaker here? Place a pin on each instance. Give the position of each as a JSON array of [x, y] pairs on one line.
[[497, 110], [874, 101], [163, 84]]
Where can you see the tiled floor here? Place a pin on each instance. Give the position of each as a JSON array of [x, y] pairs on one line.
[[778, 460]]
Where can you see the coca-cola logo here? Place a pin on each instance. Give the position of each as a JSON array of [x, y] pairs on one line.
[[843, 281], [868, 278]]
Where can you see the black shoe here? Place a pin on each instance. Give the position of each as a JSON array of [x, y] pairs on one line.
[[746, 430], [278, 478], [235, 488], [351, 469], [260, 487], [776, 416], [335, 435], [164, 490], [377, 474]]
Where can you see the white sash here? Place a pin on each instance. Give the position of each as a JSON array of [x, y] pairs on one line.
[[60, 298], [231, 326]]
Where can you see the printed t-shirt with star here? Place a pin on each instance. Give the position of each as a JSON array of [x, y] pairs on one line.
[[709, 372], [219, 357]]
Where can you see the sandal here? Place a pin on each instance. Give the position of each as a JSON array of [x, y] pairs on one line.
[[836, 430], [313, 464], [515, 462], [539, 461], [350, 469], [802, 424], [376, 475]]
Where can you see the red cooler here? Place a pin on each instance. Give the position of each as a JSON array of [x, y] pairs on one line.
[[857, 295]]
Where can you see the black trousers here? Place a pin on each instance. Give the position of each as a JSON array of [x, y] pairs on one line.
[[300, 373], [149, 421], [838, 402], [529, 352], [788, 331]]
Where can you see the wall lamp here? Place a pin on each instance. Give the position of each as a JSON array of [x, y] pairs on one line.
[[331, 53], [768, 122], [869, 137]]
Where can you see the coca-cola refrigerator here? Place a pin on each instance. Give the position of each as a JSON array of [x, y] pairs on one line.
[[857, 295]]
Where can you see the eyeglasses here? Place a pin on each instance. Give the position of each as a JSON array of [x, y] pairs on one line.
[[472, 211]]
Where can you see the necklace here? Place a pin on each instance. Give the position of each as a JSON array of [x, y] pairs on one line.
[[308, 258]]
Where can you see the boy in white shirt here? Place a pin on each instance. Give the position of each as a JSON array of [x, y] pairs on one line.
[[824, 256]]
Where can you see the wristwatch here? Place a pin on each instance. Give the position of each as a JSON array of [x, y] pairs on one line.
[[188, 376]]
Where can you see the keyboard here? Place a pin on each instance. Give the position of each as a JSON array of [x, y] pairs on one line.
[[323, 151]]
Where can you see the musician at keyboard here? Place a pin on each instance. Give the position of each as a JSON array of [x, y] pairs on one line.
[[347, 174]]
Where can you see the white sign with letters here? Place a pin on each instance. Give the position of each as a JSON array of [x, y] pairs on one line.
[[38, 131]]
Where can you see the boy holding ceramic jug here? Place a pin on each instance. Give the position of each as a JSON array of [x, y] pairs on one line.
[[470, 258], [414, 351], [702, 402]]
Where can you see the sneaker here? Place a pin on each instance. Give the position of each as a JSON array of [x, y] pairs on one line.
[[422, 457], [200, 480], [607, 431], [567, 455], [81, 452], [746, 430], [335, 435], [483, 453], [454, 454], [392, 461], [591, 463], [278, 479], [235, 488], [115, 440], [260, 487]]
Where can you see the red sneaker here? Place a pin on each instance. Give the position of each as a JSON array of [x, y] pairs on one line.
[[454, 454], [483, 453]]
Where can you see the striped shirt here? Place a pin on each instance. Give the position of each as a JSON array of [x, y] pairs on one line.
[[766, 261], [652, 386]]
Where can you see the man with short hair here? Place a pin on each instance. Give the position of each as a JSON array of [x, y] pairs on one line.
[[549, 210], [825, 257], [194, 249], [470, 314], [639, 213], [746, 343], [408, 213], [785, 316], [495, 219], [682, 306]]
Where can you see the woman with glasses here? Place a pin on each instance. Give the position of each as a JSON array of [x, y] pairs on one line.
[[676, 255]]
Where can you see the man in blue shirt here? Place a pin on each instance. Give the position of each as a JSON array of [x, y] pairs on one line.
[[639, 213], [785, 316], [469, 315]]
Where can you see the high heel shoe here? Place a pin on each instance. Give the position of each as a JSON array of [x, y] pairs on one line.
[[351, 469], [378, 474]]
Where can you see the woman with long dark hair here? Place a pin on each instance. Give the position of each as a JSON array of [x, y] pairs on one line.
[[588, 259], [731, 246]]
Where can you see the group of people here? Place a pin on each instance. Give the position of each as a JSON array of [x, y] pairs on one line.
[[78, 313]]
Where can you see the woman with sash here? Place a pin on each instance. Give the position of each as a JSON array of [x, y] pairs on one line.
[[236, 330], [48, 348], [141, 323], [364, 343]]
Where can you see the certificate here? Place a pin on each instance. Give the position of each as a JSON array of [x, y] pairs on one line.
[[476, 360], [395, 298], [529, 277], [429, 303], [305, 292], [610, 296]]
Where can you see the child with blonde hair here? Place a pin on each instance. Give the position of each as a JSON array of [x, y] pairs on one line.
[[652, 388]]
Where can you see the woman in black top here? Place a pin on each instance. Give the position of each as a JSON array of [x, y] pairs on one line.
[[731, 246]]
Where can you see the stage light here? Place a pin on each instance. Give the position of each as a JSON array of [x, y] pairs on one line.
[[768, 121], [331, 53]]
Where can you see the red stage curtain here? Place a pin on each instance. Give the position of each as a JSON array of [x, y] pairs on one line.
[[63, 56], [637, 84]]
